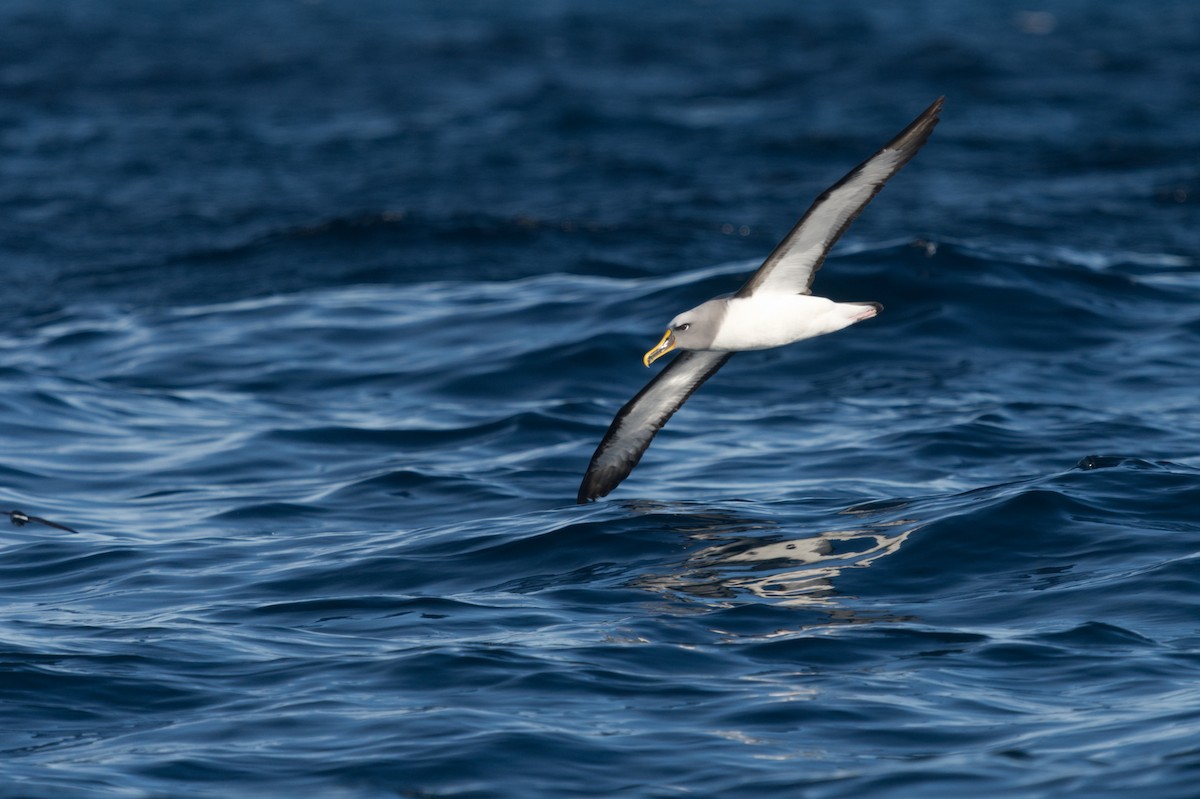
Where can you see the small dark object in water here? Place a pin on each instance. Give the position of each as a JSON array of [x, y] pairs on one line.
[[20, 519]]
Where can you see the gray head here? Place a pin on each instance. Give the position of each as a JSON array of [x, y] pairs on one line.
[[691, 330]]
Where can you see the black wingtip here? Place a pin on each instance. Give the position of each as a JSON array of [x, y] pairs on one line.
[[587, 491], [593, 487], [934, 109], [914, 136]]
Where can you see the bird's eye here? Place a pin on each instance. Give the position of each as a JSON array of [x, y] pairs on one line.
[[683, 327]]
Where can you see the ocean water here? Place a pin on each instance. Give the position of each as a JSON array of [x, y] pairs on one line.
[[313, 314]]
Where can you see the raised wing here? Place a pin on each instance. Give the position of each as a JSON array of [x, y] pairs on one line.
[[643, 416], [790, 268]]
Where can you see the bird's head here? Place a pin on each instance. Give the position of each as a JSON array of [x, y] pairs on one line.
[[691, 330]]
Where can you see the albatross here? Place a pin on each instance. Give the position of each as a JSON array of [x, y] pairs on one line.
[[773, 308]]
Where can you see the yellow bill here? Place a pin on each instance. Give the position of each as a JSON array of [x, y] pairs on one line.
[[662, 348]]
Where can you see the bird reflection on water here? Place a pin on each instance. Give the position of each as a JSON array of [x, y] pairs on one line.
[[748, 559]]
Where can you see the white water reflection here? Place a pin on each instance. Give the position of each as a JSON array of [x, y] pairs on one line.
[[799, 571]]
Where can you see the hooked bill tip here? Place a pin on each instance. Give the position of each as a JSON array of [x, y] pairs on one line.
[[662, 348]]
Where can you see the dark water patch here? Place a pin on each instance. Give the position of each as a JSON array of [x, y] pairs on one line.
[[274, 513], [51, 566], [391, 439], [863, 649], [73, 696], [1099, 635]]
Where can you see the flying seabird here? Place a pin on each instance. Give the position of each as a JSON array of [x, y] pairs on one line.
[[21, 518], [774, 307]]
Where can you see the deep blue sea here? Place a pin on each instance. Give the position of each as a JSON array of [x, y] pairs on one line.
[[313, 314]]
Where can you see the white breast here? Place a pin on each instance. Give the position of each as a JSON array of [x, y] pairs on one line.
[[765, 321]]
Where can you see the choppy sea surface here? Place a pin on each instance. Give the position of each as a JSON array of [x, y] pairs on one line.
[[314, 312]]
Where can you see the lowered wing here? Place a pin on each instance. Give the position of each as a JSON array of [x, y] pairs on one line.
[[642, 417]]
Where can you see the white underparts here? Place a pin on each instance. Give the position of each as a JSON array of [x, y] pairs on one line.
[[765, 321]]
